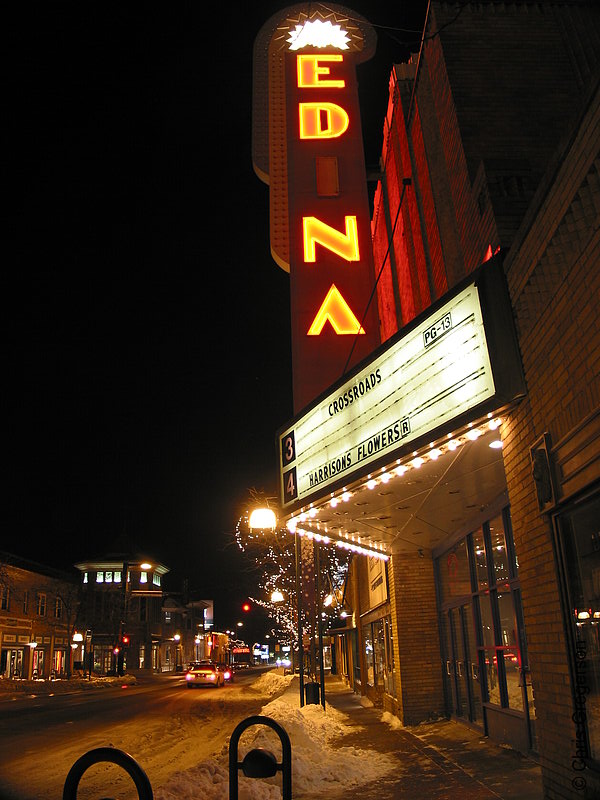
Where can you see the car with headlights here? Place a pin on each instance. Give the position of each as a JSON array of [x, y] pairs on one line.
[[204, 673], [228, 672]]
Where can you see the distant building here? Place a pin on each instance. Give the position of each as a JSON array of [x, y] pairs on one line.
[[122, 612], [38, 612], [131, 623], [186, 631]]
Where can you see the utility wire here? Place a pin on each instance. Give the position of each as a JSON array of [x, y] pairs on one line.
[[406, 182]]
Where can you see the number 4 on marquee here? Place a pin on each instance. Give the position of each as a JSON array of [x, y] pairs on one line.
[[290, 487]]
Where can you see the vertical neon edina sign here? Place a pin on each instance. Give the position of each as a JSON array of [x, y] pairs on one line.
[[317, 178]]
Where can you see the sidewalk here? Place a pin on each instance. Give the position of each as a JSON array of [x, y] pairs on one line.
[[436, 761]]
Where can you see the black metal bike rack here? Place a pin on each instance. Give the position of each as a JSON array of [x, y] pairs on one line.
[[111, 754], [260, 763]]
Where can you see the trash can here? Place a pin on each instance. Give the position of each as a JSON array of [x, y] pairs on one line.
[[311, 691]]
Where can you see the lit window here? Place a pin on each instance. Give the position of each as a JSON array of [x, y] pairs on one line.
[[143, 577], [117, 576], [108, 576], [85, 577], [168, 617], [156, 579], [5, 598], [58, 608], [99, 577]]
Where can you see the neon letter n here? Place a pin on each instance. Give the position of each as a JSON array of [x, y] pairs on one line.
[[344, 245]]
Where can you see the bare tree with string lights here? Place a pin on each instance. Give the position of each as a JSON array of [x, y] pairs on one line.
[[272, 549]]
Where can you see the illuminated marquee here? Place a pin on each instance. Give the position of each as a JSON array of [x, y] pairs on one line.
[[439, 372], [314, 164]]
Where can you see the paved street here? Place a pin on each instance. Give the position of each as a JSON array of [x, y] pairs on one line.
[[166, 727]]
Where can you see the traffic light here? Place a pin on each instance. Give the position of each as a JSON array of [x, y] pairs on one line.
[[125, 640], [246, 606]]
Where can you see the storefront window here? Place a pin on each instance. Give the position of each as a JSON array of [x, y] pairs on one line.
[[455, 578], [479, 554], [487, 622], [379, 657], [369, 660], [379, 650], [499, 550], [390, 673], [579, 531], [508, 623], [493, 631], [512, 653]]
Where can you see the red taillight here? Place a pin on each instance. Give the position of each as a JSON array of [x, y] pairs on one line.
[[189, 677]]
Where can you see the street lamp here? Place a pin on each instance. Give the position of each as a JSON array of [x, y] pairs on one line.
[[262, 519]]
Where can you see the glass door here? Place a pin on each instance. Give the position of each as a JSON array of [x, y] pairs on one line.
[[462, 672]]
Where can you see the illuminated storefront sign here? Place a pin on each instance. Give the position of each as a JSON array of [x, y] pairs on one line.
[[427, 379], [313, 161]]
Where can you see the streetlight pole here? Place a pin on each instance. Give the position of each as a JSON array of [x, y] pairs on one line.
[[299, 610], [320, 622]]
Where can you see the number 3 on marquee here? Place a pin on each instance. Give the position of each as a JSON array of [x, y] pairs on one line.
[[288, 449]]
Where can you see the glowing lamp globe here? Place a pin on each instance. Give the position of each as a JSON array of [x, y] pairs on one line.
[[263, 519]]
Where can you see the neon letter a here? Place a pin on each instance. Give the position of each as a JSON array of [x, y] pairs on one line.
[[338, 312]]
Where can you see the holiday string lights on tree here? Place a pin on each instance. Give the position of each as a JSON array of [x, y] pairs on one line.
[[273, 553]]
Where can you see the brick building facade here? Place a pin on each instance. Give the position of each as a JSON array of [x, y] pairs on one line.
[[491, 141], [486, 515], [463, 454], [38, 610]]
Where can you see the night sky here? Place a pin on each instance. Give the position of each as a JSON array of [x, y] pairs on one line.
[[148, 342]]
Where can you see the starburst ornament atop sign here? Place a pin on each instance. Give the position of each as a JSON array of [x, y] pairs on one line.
[[318, 34]]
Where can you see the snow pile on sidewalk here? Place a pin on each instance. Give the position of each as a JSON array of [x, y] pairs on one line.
[[391, 720], [318, 766]]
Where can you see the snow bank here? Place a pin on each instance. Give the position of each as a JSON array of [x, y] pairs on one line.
[[391, 720], [11, 687], [319, 764]]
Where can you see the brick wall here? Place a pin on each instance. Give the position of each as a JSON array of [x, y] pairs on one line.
[[553, 273], [494, 91], [417, 658]]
